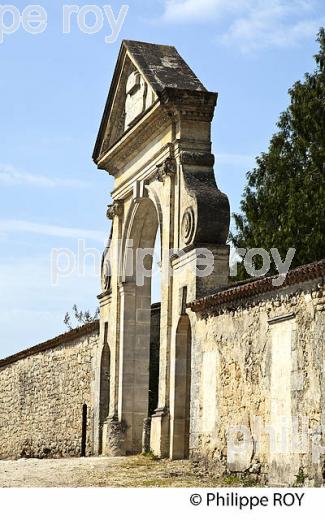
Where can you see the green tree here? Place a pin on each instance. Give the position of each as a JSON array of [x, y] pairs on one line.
[[283, 202]]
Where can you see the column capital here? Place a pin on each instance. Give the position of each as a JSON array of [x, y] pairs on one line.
[[115, 209]]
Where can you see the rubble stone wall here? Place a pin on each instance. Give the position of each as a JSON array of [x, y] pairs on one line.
[[259, 362], [42, 395]]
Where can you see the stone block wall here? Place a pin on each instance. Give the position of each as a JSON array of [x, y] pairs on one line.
[[42, 395], [256, 361]]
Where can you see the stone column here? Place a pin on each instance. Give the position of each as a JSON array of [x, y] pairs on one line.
[[134, 356]]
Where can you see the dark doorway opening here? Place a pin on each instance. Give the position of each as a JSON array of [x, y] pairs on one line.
[[154, 357], [155, 326], [84, 430], [104, 397]]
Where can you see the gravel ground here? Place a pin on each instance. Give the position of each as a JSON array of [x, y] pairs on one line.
[[138, 471]]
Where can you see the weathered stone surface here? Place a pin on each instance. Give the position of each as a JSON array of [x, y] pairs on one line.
[[263, 358], [42, 397]]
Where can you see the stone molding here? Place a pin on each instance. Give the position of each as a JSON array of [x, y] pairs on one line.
[[197, 158]]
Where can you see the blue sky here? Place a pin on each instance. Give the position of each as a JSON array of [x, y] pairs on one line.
[[53, 88]]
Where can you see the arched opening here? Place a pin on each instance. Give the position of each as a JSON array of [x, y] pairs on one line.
[[137, 352], [104, 395], [181, 418]]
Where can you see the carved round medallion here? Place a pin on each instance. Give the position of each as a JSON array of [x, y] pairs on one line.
[[188, 225]]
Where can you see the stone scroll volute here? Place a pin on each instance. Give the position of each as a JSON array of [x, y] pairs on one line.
[[206, 220]]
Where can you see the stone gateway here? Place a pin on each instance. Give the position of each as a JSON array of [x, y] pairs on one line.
[[216, 371]]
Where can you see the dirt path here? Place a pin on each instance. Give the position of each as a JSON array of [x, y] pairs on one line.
[[139, 471]]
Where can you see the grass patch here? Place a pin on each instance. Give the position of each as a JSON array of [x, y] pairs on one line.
[[150, 455], [238, 481]]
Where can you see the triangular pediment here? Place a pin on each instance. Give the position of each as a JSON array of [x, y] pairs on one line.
[[141, 74], [130, 96]]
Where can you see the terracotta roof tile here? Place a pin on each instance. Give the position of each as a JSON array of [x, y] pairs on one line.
[[262, 285]]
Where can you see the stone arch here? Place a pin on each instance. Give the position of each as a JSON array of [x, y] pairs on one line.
[[163, 175], [140, 231], [135, 305], [180, 441]]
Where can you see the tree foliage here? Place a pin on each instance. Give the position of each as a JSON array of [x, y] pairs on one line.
[[283, 202]]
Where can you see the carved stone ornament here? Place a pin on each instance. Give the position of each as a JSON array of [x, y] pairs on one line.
[[188, 225], [106, 279], [136, 94], [165, 169], [114, 210], [106, 273]]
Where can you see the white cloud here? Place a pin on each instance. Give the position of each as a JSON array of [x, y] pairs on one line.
[[276, 24], [251, 24], [23, 226], [11, 176]]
